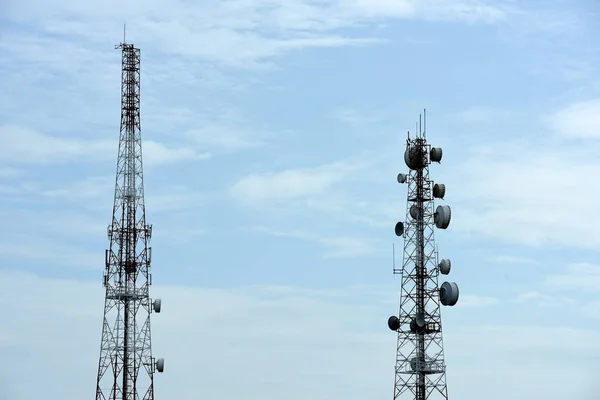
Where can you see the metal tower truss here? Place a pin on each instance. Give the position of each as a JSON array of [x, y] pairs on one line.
[[126, 368], [420, 368]]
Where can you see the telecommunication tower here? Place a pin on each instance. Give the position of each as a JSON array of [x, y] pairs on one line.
[[420, 367], [126, 368]]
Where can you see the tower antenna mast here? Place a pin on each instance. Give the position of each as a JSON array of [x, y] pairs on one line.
[[420, 367], [126, 367]]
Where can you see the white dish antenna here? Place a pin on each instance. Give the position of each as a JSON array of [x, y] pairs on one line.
[[435, 155], [160, 365], [399, 229], [444, 266], [449, 293], [442, 216], [439, 190], [393, 323], [157, 305]]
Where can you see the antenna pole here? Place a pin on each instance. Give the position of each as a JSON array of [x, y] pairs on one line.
[[393, 257]]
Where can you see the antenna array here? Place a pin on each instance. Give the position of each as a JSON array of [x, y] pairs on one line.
[[420, 368]]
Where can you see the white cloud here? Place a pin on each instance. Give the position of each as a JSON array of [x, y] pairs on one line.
[[574, 70], [244, 49], [174, 198], [215, 127], [22, 145], [92, 188], [345, 246], [467, 11], [527, 192], [505, 259], [49, 223], [98, 193], [155, 153], [533, 337], [32, 249], [292, 15], [249, 49], [9, 172], [224, 137], [483, 114], [580, 120], [545, 300], [592, 309], [340, 246], [241, 33], [272, 334], [53, 53], [291, 184], [355, 117], [579, 276], [477, 301]]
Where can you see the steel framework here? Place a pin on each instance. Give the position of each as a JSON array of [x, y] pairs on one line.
[[420, 368], [126, 368]]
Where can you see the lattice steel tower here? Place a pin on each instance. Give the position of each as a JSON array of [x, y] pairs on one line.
[[420, 367], [126, 368]]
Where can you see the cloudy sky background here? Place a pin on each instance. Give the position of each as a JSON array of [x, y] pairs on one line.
[[273, 132]]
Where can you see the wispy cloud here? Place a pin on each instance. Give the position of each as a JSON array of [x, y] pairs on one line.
[[21, 145], [27, 146], [576, 70], [592, 309], [579, 276], [506, 259], [240, 33], [175, 198], [23, 250], [290, 184], [482, 114], [497, 192], [545, 300], [9, 172], [478, 301], [338, 246], [580, 120], [223, 137], [207, 91], [155, 153], [93, 187], [320, 325], [352, 116]]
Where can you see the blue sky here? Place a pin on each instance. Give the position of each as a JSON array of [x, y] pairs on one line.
[[273, 133]]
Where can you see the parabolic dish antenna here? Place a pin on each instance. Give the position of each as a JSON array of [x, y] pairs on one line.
[[442, 217]]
